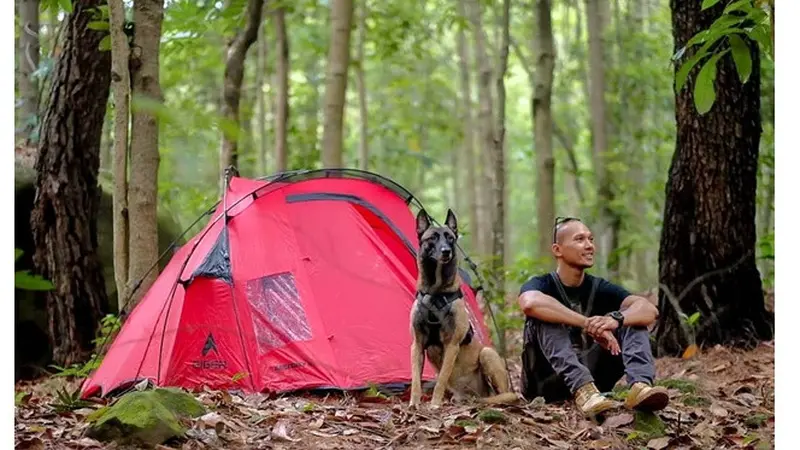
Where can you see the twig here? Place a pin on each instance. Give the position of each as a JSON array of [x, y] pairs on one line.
[[675, 301], [359, 427]]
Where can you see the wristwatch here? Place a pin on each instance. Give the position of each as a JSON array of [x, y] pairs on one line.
[[616, 315]]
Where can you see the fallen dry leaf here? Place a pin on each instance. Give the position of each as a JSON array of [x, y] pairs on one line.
[[658, 443], [719, 411], [280, 433], [690, 351], [618, 420]]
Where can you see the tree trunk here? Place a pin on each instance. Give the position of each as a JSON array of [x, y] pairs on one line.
[[597, 84], [143, 187], [232, 82], [64, 216], [107, 144], [363, 143], [543, 126], [468, 136], [121, 79], [282, 94], [499, 169], [707, 253], [336, 83], [28, 63], [486, 127], [261, 106], [312, 113]]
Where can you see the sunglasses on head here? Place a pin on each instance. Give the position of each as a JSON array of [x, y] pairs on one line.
[[560, 220]]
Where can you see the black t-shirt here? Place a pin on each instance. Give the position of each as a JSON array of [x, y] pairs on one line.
[[608, 296]]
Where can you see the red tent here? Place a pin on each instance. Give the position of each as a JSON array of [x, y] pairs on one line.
[[306, 283]]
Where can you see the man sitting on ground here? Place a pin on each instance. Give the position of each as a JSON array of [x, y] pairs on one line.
[[579, 350]]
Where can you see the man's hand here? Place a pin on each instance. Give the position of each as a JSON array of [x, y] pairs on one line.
[[596, 325], [607, 340]]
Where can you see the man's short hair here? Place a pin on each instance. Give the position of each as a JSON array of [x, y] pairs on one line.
[[560, 220]]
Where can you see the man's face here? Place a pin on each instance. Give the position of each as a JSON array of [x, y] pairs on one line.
[[574, 244]]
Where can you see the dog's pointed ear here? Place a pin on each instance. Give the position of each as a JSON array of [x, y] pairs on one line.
[[423, 222], [451, 221]]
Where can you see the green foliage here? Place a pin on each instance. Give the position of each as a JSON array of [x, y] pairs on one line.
[[68, 400], [109, 326], [742, 22], [25, 281]]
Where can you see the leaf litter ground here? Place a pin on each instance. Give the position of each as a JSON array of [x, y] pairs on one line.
[[721, 398]]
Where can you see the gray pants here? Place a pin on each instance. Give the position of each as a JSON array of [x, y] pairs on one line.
[[554, 369]]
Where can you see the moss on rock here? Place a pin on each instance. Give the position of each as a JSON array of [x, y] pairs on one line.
[[145, 418]]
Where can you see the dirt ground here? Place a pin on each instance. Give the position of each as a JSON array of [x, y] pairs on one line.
[[721, 398]]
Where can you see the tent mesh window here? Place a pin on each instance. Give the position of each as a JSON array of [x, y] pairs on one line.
[[278, 315]]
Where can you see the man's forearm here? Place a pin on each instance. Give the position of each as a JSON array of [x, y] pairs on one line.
[[640, 313], [548, 309]]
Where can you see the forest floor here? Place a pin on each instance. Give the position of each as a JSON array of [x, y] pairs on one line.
[[721, 398]]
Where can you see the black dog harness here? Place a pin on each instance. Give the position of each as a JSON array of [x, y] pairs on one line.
[[440, 306]]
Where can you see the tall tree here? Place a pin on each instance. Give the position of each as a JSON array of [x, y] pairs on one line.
[[148, 16], [597, 12], [336, 82], [261, 101], [28, 55], [468, 127], [282, 94], [707, 253], [498, 165], [542, 115], [361, 82], [64, 217], [232, 81], [485, 124], [121, 78]]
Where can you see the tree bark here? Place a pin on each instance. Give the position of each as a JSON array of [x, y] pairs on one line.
[[313, 74], [486, 127], [596, 21], [707, 253], [499, 169], [144, 161], [543, 125], [468, 131], [363, 142], [261, 106], [232, 81], [28, 55], [282, 94], [336, 83], [64, 216], [121, 79]]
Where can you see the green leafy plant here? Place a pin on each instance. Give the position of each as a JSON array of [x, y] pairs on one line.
[[69, 400], [24, 280], [741, 21]]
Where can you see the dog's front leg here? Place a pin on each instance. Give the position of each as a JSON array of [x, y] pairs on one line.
[[417, 362], [448, 362]]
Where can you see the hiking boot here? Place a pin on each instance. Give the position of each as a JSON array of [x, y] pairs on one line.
[[590, 402], [644, 397]]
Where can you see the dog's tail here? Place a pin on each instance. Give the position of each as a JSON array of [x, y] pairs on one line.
[[506, 398]]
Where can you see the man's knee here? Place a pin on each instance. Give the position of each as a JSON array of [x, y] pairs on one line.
[[636, 339]]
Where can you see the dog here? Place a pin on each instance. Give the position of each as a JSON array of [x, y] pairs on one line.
[[440, 326]]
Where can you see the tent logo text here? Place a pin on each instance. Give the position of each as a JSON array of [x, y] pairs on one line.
[[213, 364]]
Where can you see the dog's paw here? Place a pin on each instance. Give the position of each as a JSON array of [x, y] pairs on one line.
[[435, 405]]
